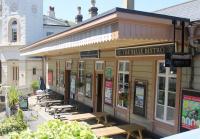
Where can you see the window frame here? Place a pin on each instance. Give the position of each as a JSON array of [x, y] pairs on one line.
[[14, 31], [166, 75], [124, 72], [82, 79]]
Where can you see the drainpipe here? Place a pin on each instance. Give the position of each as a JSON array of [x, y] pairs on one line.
[[191, 30]]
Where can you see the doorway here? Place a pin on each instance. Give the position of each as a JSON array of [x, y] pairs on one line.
[[67, 86], [99, 90]]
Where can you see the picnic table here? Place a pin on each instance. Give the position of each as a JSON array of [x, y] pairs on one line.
[[61, 108], [123, 129], [87, 116], [51, 103], [41, 96]]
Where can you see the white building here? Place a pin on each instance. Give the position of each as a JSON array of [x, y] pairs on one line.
[[21, 23]]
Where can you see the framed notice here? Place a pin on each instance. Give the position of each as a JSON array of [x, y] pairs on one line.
[[108, 91], [50, 77], [88, 85], [190, 112], [139, 103], [73, 86]]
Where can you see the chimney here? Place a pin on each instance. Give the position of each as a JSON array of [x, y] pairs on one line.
[[129, 4], [51, 12], [93, 10], [79, 17]]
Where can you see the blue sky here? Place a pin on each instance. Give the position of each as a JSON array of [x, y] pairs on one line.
[[67, 9]]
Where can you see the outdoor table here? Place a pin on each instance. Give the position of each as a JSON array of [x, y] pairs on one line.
[[61, 108], [51, 103], [123, 129], [41, 96], [87, 116]]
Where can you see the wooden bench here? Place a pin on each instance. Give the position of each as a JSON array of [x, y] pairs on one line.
[[124, 129], [96, 126], [87, 116], [62, 115]]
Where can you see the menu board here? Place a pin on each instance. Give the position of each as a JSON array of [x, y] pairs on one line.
[[88, 86], [139, 103], [190, 112], [73, 86], [108, 91]]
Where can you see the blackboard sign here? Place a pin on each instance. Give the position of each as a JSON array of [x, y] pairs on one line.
[[178, 60], [139, 104], [23, 103], [89, 54]]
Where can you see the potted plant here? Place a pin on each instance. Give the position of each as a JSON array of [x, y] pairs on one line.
[[13, 99], [35, 86]]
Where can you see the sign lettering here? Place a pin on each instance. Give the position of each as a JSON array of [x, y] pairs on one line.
[[145, 50]]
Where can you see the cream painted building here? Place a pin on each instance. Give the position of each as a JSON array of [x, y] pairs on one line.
[[21, 23]]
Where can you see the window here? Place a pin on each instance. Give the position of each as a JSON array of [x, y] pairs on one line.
[[123, 83], [49, 33], [99, 65], [81, 77], [34, 71], [15, 73], [166, 93], [14, 31]]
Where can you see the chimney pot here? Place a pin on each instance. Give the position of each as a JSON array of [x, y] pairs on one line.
[[93, 10], [51, 11], [79, 17]]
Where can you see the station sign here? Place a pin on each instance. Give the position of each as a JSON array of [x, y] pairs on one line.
[[156, 49]]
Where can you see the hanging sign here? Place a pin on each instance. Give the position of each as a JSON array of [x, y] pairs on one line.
[[156, 49], [108, 73]]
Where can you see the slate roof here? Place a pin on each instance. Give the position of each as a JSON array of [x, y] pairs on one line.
[[190, 9]]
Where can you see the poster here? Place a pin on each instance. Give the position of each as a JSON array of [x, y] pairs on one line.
[[190, 112], [73, 86], [139, 103], [139, 100], [88, 86], [50, 77], [108, 91]]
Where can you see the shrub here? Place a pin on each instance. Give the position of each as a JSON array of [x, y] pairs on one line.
[[13, 123], [13, 99], [35, 85], [57, 129]]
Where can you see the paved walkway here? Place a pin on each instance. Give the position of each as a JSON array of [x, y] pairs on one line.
[[36, 115]]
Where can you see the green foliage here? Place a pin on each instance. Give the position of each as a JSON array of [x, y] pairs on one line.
[[57, 129], [13, 123], [35, 85], [13, 96], [20, 115]]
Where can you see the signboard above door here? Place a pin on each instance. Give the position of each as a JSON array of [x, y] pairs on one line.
[[89, 54], [154, 49]]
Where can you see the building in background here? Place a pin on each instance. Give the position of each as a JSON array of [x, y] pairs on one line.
[[22, 23]]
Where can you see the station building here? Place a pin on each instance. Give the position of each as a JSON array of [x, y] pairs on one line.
[[115, 62]]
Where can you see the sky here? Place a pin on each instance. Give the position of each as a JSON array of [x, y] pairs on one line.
[[67, 9]]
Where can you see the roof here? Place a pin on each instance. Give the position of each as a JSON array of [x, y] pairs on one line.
[[110, 12], [190, 9], [56, 22]]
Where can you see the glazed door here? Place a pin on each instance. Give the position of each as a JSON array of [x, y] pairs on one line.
[[67, 86], [99, 89]]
